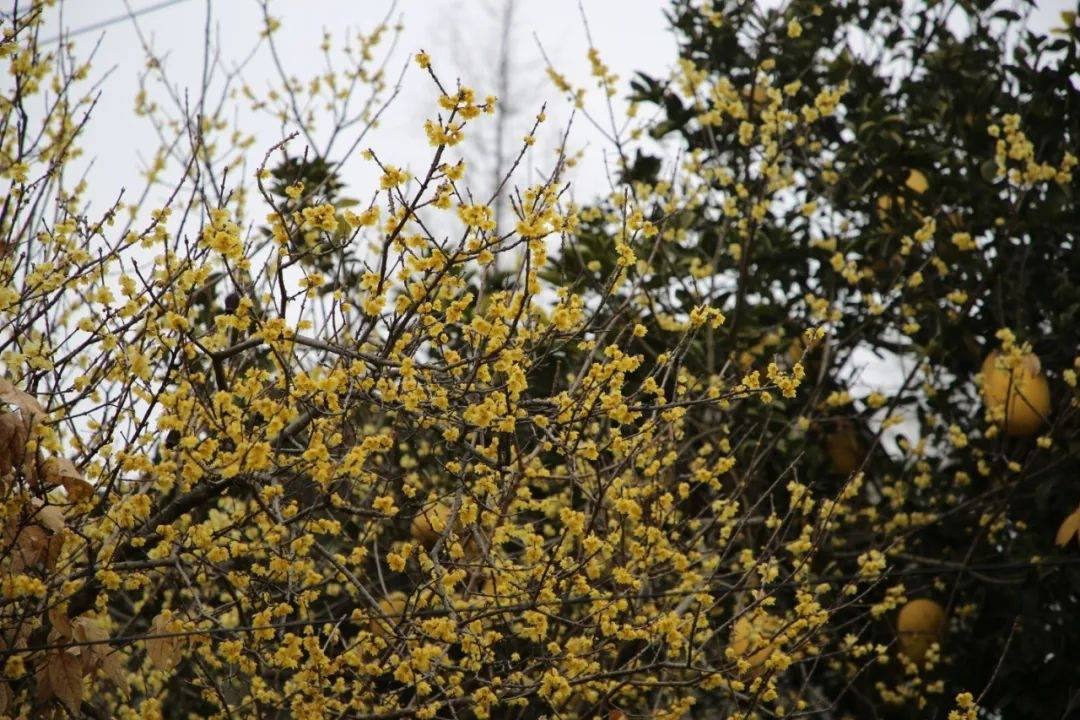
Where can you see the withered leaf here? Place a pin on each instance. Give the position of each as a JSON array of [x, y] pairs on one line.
[[58, 618], [61, 471], [78, 489], [23, 630], [44, 684], [164, 652], [112, 665], [30, 547], [56, 469], [51, 517], [65, 678], [22, 400], [15, 429], [56, 545], [13, 435], [91, 631]]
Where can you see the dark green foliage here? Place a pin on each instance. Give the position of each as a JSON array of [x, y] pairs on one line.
[[924, 87]]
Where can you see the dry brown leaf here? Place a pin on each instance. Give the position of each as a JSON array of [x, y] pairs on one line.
[[30, 547], [89, 630], [44, 686], [11, 529], [60, 623], [23, 631], [54, 470], [112, 665], [61, 471], [78, 489], [13, 435], [15, 429], [51, 517], [5, 697], [163, 652], [65, 678], [56, 545], [22, 400]]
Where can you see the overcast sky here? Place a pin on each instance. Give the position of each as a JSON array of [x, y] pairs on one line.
[[460, 35]]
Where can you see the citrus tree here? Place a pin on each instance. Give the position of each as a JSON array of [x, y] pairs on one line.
[[900, 174], [275, 446]]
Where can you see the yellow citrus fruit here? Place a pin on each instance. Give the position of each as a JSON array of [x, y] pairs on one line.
[[885, 204], [799, 351], [391, 607], [921, 623], [795, 351], [1018, 399], [429, 524], [1069, 529], [480, 587], [754, 640], [760, 94], [844, 450], [917, 182], [889, 204]]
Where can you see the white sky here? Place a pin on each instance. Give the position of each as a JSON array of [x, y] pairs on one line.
[[459, 34], [631, 35]]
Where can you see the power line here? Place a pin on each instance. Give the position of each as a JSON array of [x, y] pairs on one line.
[[111, 21]]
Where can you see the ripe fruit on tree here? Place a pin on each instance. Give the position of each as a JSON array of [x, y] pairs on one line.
[[391, 607], [917, 182], [921, 623], [760, 95], [1018, 399], [754, 640], [885, 205], [429, 524], [844, 450], [1069, 529]]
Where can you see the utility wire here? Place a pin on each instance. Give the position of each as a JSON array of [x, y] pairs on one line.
[[111, 21]]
